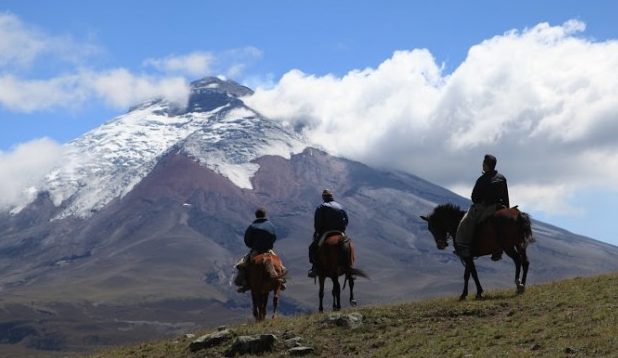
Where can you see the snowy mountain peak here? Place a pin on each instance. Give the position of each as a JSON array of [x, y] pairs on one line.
[[216, 129], [216, 84], [211, 92]]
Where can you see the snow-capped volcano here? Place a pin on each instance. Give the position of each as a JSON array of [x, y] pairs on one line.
[[216, 129], [144, 221]]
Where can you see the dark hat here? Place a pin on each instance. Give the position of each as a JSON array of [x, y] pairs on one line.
[[327, 192], [490, 160], [260, 213]]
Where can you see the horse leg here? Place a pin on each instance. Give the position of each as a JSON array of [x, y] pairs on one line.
[[464, 294], [263, 306], [516, 257], [479, 290], [275, 302], [525, 263], [321, 293], [336, 294], [255, 299], [351, 284]]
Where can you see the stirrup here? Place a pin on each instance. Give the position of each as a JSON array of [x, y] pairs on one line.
[[312, 273]]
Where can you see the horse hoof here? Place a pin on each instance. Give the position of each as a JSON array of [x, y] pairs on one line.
[[462, 297], [479, 297], [353, 303], [521, 289]]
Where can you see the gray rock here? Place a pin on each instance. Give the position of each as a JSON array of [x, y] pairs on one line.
[[301, 351], [252, 344], [293, 342], [210, 340], [351, 320]]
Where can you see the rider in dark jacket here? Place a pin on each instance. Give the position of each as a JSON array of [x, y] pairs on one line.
[[491, 188], [260, 237], [329, 216], [490, 193]]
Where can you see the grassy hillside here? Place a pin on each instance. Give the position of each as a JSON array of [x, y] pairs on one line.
[[571, 318]]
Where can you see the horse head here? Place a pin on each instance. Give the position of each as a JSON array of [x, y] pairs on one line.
[[443, 222], [439, 232]]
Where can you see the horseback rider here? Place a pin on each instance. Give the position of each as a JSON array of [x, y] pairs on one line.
[[329, 216], [490, 193], [260, 237]]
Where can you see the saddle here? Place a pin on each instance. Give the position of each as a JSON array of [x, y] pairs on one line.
[[330, 233]]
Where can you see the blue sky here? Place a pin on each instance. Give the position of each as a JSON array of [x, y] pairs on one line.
[[424, 87]]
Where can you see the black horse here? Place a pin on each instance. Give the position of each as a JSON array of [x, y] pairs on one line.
[[508, 229]]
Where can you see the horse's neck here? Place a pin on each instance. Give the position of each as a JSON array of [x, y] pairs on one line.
[[454, 221]]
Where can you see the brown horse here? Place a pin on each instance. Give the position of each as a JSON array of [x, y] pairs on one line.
[[265, 273], [336, 257], [508, 229]]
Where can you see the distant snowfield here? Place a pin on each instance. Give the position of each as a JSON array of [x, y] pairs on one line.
[[108, 161]]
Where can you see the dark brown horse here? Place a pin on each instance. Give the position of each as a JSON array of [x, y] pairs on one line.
[[336, 257], [265, 273], [508, 229]]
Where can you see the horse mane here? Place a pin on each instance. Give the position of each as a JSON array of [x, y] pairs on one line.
[[447, 208]]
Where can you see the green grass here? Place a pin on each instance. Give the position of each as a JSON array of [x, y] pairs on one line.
[[570, 318]]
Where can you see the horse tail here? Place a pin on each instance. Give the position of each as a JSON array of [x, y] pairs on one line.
[[358, 273], [347, 252], [276, 273], [348, 258], [526, 226], [349, 247]]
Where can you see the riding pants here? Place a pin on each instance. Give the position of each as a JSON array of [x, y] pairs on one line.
[[476, 214]]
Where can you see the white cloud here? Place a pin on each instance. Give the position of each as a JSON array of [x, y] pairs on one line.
[[544, 101], [359, 109], [24, 167], [120, 88], [231, 63], [116, 88], [21, 45], [21, 95], [25, 49], [553, 198], [194, 64]]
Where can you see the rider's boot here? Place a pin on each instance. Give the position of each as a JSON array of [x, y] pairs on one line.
[[496, 256], [241, 280], [313, 272]]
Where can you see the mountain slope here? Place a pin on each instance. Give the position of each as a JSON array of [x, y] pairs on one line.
[[565, 318]]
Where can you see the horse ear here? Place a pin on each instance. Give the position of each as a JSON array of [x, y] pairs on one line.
[[424, 218]]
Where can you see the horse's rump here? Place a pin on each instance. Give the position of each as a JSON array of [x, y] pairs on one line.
[[344, 245], [271, 263], [507, 227]]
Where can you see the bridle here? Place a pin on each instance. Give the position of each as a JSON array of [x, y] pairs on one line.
[[442, 242]]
